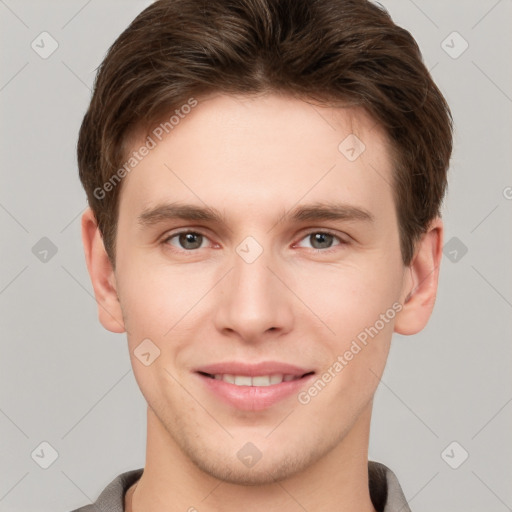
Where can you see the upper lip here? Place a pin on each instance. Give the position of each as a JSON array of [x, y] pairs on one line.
[[253, 370]]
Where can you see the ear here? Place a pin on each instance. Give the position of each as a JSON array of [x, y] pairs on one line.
[[420, 282], [102, 275]]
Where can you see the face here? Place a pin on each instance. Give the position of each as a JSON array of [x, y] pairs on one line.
[[268, 288]]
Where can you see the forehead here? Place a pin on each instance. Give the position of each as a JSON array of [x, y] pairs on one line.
[[261, 152]]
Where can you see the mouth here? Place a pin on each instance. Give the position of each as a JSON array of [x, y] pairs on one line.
[[257, 381], [253, 387]]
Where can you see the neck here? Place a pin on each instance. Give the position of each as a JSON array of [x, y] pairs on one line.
[[171, 481]]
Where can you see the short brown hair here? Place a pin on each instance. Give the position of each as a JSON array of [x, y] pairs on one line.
[[333, 51]]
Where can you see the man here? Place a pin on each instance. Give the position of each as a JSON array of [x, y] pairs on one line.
[[265, 180]]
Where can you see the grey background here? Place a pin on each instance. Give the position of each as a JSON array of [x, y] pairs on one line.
[[68, 382]]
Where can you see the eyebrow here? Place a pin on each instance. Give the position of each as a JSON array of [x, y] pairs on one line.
[[311, 212]]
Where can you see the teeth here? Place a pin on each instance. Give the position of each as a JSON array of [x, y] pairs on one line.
[[260, 380], [264, 380], [276, 379], [240, 380]]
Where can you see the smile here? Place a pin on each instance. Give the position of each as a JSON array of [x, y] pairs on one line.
[[259, 381], [253, 387]]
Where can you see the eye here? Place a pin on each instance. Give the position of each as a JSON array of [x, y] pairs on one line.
[[185, 240], [322, 241]]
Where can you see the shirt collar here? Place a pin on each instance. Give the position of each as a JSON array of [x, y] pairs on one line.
[[385, 491]]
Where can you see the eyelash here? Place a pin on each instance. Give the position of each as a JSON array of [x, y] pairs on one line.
[[309, 233]]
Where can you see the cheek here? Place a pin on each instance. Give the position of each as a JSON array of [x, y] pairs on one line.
[[347, 299], [159, 384], [156, 297], [163, 305], [364, 325], [355, 360]]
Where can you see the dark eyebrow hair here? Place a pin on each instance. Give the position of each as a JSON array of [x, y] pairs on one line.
[[162, 212], [329, 211], [310, 212]]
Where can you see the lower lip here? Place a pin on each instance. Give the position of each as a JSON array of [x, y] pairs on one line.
[[254, 398]]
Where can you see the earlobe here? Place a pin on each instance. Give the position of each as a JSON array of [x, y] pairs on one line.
[[420, 282], [101, 274]]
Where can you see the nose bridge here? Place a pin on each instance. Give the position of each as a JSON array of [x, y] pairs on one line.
[[254, 300]]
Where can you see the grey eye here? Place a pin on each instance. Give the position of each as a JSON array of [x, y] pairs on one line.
[[324, 240], [321, 240], [187, 240]]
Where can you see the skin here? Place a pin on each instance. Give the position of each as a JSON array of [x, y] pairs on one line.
[[254, 158]]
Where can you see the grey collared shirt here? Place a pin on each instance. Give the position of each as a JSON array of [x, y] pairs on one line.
[[385, 491]]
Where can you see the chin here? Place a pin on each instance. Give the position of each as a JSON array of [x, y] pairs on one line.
[[261, 474], [272, 467]]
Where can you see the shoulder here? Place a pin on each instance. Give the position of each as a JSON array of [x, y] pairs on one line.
[[111, 498], [385, 490]]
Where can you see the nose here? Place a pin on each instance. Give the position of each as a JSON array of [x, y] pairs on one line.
[[253, 301]]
